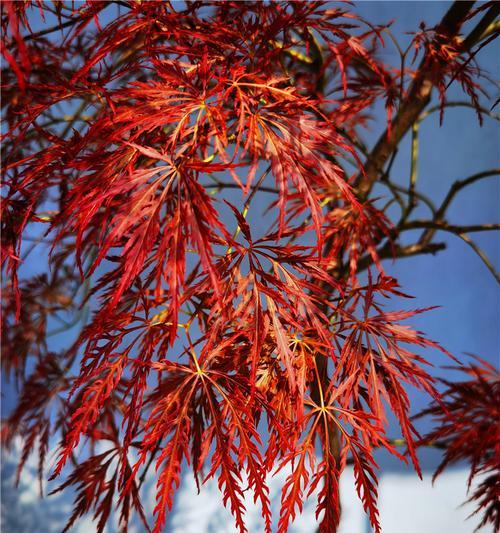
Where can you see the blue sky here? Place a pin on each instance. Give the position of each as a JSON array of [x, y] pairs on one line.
[[455, 279]]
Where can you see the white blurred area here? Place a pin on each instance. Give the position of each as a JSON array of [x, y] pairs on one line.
[[196, 513], [406, 503]]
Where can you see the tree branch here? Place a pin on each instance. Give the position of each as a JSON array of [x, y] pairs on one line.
[[480, 32], [227, 185], [416, 101], [444, 226], [419, 96], [481, 254], [454, 189], [390, 252]]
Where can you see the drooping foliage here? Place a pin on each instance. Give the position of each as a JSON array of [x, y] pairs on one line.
[[467, 431], [202, 338]]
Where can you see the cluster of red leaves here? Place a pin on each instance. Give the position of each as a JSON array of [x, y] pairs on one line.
[[465, 430], [447, 60], [200, 331]]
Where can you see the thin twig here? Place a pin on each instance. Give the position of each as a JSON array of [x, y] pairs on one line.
[[392, 252], [450, 228], [226, 185], [419, 195], [454, 189], [481, 254], [468, 105]]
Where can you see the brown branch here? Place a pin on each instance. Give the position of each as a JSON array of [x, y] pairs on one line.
[[444, 226], [454, 189], [459, 231], [419, 96], [434, 109], [52, 29], [389, 252], [71, 22], [229, 185], [394, 187], [481, 254], [480, 32]]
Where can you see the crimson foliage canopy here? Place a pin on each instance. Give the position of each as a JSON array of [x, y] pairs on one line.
[[139, 139]]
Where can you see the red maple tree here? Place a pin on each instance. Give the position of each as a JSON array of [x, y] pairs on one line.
[[127, 125]]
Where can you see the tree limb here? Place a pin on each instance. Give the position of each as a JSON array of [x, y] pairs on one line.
[[454, 189], [419, 96], [444, 226]]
